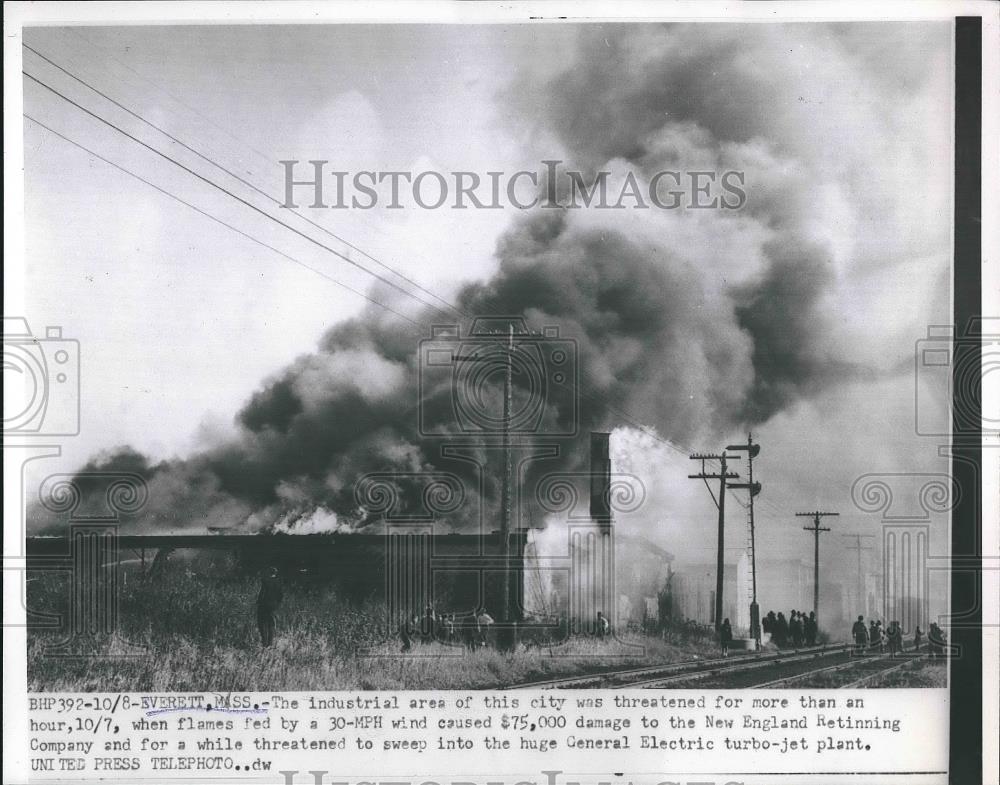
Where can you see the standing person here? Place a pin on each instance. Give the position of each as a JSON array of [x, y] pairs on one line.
[[428, 625], [860, 634], [881, 636], [937, 640], [895, 638], [873, 634], [795, 629], [811, 629], [406, 633], [780, 631], [470, 630], [725, 637], [918, 636], [603, 625], [484, 623], [268, 599]]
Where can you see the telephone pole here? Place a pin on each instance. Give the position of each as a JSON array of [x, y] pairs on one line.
[[507, 350], [859, 548], [720, 503], [752, 450], [816, 529]]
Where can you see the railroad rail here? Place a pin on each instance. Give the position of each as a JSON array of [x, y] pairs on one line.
[[882, 672], [729, 668], [854, 662], [679, 671]]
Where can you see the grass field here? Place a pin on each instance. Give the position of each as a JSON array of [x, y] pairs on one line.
[[198, 630]]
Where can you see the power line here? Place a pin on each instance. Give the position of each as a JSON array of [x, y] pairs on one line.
[[594, 396], [232, 174], [816, 515], [238, 198], [217, 220], [633, 421], [680, 450], [722, 475]]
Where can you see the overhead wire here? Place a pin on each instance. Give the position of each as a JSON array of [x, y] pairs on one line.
[[234, 175], [633, 421], [225, 190], [214, 218]]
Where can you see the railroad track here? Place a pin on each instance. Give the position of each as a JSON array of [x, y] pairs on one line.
[[688, 670], [729, 673], [872, 664]]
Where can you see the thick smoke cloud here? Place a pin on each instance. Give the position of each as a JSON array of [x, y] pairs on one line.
[[692, 323]]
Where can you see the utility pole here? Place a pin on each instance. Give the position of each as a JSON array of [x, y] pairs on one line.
[[816, 529], [720, 503], [506, 489], [752, 450], [859, 548], [506, 485]]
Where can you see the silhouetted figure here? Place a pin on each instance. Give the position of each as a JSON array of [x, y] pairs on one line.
[[811, 629], [873, 635], [781, 631], [484, 624], [918, 638], [603, 625], [469, 627], [795, 629], [895, 637], [428, 625], [860, 634], [936, 640], [268, 600], [725, 637], [406, 633]]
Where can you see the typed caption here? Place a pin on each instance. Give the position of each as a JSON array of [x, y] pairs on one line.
[[160, 736]]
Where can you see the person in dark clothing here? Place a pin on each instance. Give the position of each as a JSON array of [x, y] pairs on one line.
[[895, 638], [795, 629], [873, 635], [268, 600], [936, 640], [603, 626], [725, 637], [406, 633], [811, 629], [769, 624], [428, 625], [781, 631], [470, 630], [918, 637], [860, 634]]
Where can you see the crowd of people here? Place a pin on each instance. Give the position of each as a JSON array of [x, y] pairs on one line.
[[872, 637], [796, 631], [473, 630]]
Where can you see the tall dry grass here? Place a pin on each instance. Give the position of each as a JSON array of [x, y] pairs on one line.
[[195, 630]]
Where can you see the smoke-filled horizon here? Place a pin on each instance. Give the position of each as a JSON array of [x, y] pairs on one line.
[[691, 327]]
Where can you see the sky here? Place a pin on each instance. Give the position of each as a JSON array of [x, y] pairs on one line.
[[796, 316]]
